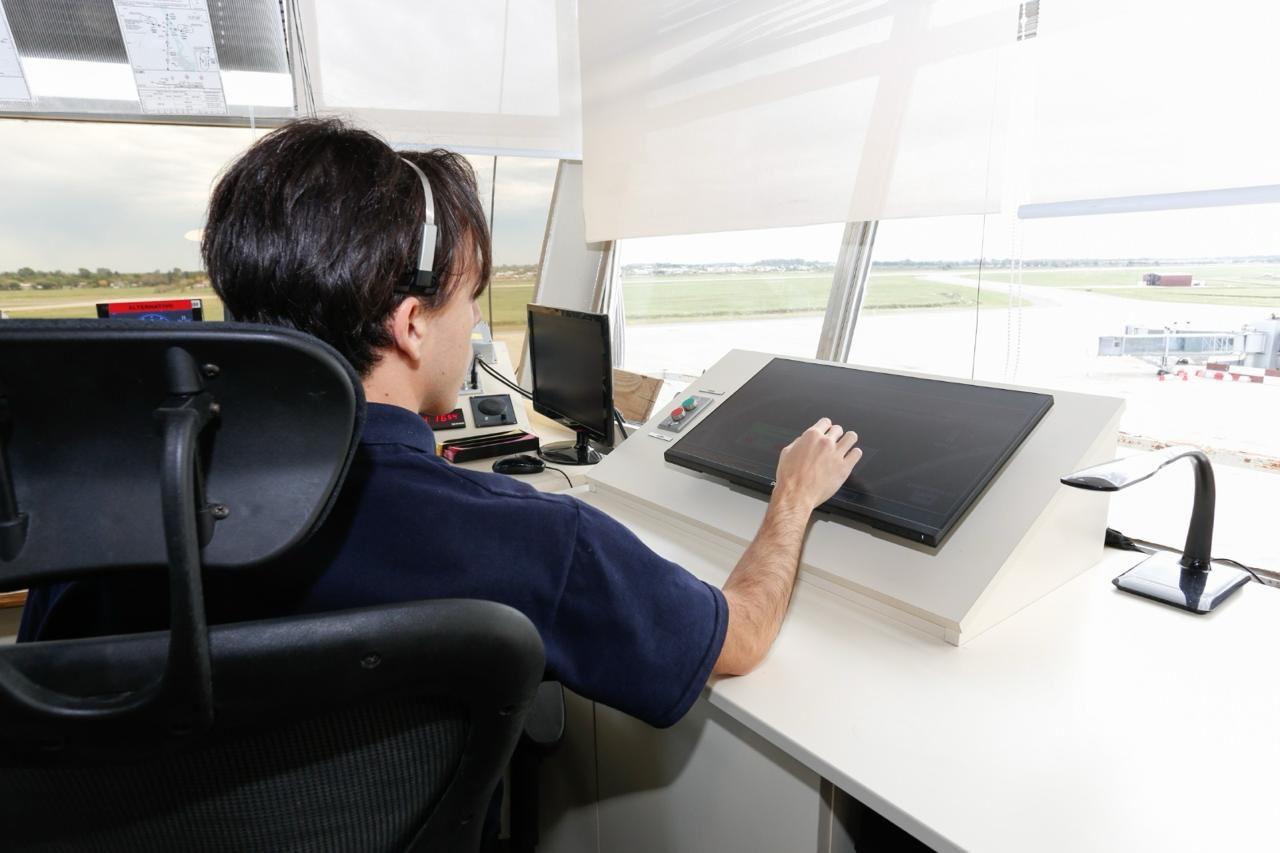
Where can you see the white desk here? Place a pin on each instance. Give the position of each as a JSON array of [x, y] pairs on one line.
[[1091, 720], [1087, 720], [548, 431]]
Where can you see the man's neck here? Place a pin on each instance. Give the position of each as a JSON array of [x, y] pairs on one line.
[[386, 385]]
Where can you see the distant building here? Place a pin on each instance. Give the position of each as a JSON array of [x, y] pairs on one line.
[[1158, 279]]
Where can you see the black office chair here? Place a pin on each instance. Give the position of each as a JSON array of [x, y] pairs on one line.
[[189, 451]]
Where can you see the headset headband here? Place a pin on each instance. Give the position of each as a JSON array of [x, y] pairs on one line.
[[420, 281]]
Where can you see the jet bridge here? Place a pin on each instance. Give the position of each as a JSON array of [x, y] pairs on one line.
[[1256, 345]]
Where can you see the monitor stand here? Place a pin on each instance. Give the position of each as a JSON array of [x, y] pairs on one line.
[[571, 452]]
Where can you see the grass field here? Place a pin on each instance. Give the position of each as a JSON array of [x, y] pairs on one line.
[[663, 298], [728, 296]]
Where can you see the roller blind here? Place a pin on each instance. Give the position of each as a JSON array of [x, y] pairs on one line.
[[487, 75], [700, 115], [1146, 104]]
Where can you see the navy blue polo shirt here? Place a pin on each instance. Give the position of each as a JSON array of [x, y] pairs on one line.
[[620, 624]]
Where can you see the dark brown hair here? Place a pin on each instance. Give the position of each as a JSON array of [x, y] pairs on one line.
[[313, 227]]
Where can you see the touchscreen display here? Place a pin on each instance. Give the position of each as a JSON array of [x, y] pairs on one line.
[[929, 446]]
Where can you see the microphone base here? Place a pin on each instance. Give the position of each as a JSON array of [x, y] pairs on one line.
[[1162, 578]]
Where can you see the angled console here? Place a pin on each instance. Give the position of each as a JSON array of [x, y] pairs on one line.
[[1020, 537]]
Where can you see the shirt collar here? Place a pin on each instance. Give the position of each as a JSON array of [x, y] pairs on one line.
[[384, 424]]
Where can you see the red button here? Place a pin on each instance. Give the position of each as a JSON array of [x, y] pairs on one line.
[[677, 413]]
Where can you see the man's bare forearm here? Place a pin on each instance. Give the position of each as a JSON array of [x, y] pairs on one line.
[[810, 470], [759, 588]]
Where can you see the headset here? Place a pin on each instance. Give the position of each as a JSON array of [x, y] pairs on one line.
[[420, 281]]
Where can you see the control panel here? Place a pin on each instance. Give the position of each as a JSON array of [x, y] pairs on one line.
[[492, 410], [685, 412]]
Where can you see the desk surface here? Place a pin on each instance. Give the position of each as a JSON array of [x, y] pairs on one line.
[[1091, 720]]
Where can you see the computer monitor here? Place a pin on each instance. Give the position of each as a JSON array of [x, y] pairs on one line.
[[162, 310], [572, 364]]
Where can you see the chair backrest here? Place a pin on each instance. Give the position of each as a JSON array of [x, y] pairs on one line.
[[82, 407], [181, 449], [383, 728]]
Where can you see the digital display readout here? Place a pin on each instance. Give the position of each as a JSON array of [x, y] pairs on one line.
[[448, 420]]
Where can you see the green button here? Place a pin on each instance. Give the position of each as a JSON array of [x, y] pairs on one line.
[[689, 403]]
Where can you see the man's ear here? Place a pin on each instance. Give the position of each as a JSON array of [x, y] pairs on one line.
[[408, 326]]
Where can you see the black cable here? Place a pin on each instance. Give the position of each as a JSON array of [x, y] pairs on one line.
[[498, 376], [1212, 560], [562, 474], [1241, 565], [622, 425], [1116, 539]]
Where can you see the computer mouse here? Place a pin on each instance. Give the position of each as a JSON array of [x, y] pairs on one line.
[[522, 464]]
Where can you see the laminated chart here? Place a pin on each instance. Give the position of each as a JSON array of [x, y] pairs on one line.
[[13, 85], [175, 61]]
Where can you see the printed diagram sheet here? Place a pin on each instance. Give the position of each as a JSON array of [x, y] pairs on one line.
[[13, 85], [174, 58]]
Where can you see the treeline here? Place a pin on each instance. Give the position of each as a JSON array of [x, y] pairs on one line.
[[515, 271], [26, 278]]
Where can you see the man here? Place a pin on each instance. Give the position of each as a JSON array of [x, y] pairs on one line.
[[318, 227]]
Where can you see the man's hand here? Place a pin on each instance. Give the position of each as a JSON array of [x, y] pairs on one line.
[[813, 467]]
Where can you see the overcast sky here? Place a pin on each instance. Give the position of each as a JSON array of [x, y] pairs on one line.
[[82, 194], [122, 196]]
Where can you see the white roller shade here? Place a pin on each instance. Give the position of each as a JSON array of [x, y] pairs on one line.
[[498, 76], [703, 116], [1144, 104]]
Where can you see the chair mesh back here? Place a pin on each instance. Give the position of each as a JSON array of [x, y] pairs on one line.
[[362, 778]]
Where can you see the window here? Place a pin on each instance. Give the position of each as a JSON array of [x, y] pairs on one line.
[[128, 226], [689, 300], [93, 212], [1171, 310], [924, 297], [521, 198]]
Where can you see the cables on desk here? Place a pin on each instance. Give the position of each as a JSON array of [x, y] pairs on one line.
[[1116, 539], [561, 473], [476, 359], [1240, 565]]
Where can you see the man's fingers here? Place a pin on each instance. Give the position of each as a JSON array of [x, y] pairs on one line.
[[822, 425], [834, 432], [846, 442]]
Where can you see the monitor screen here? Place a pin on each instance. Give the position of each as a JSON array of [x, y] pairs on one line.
[[572, 368], [172, 310], [929, 446]]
